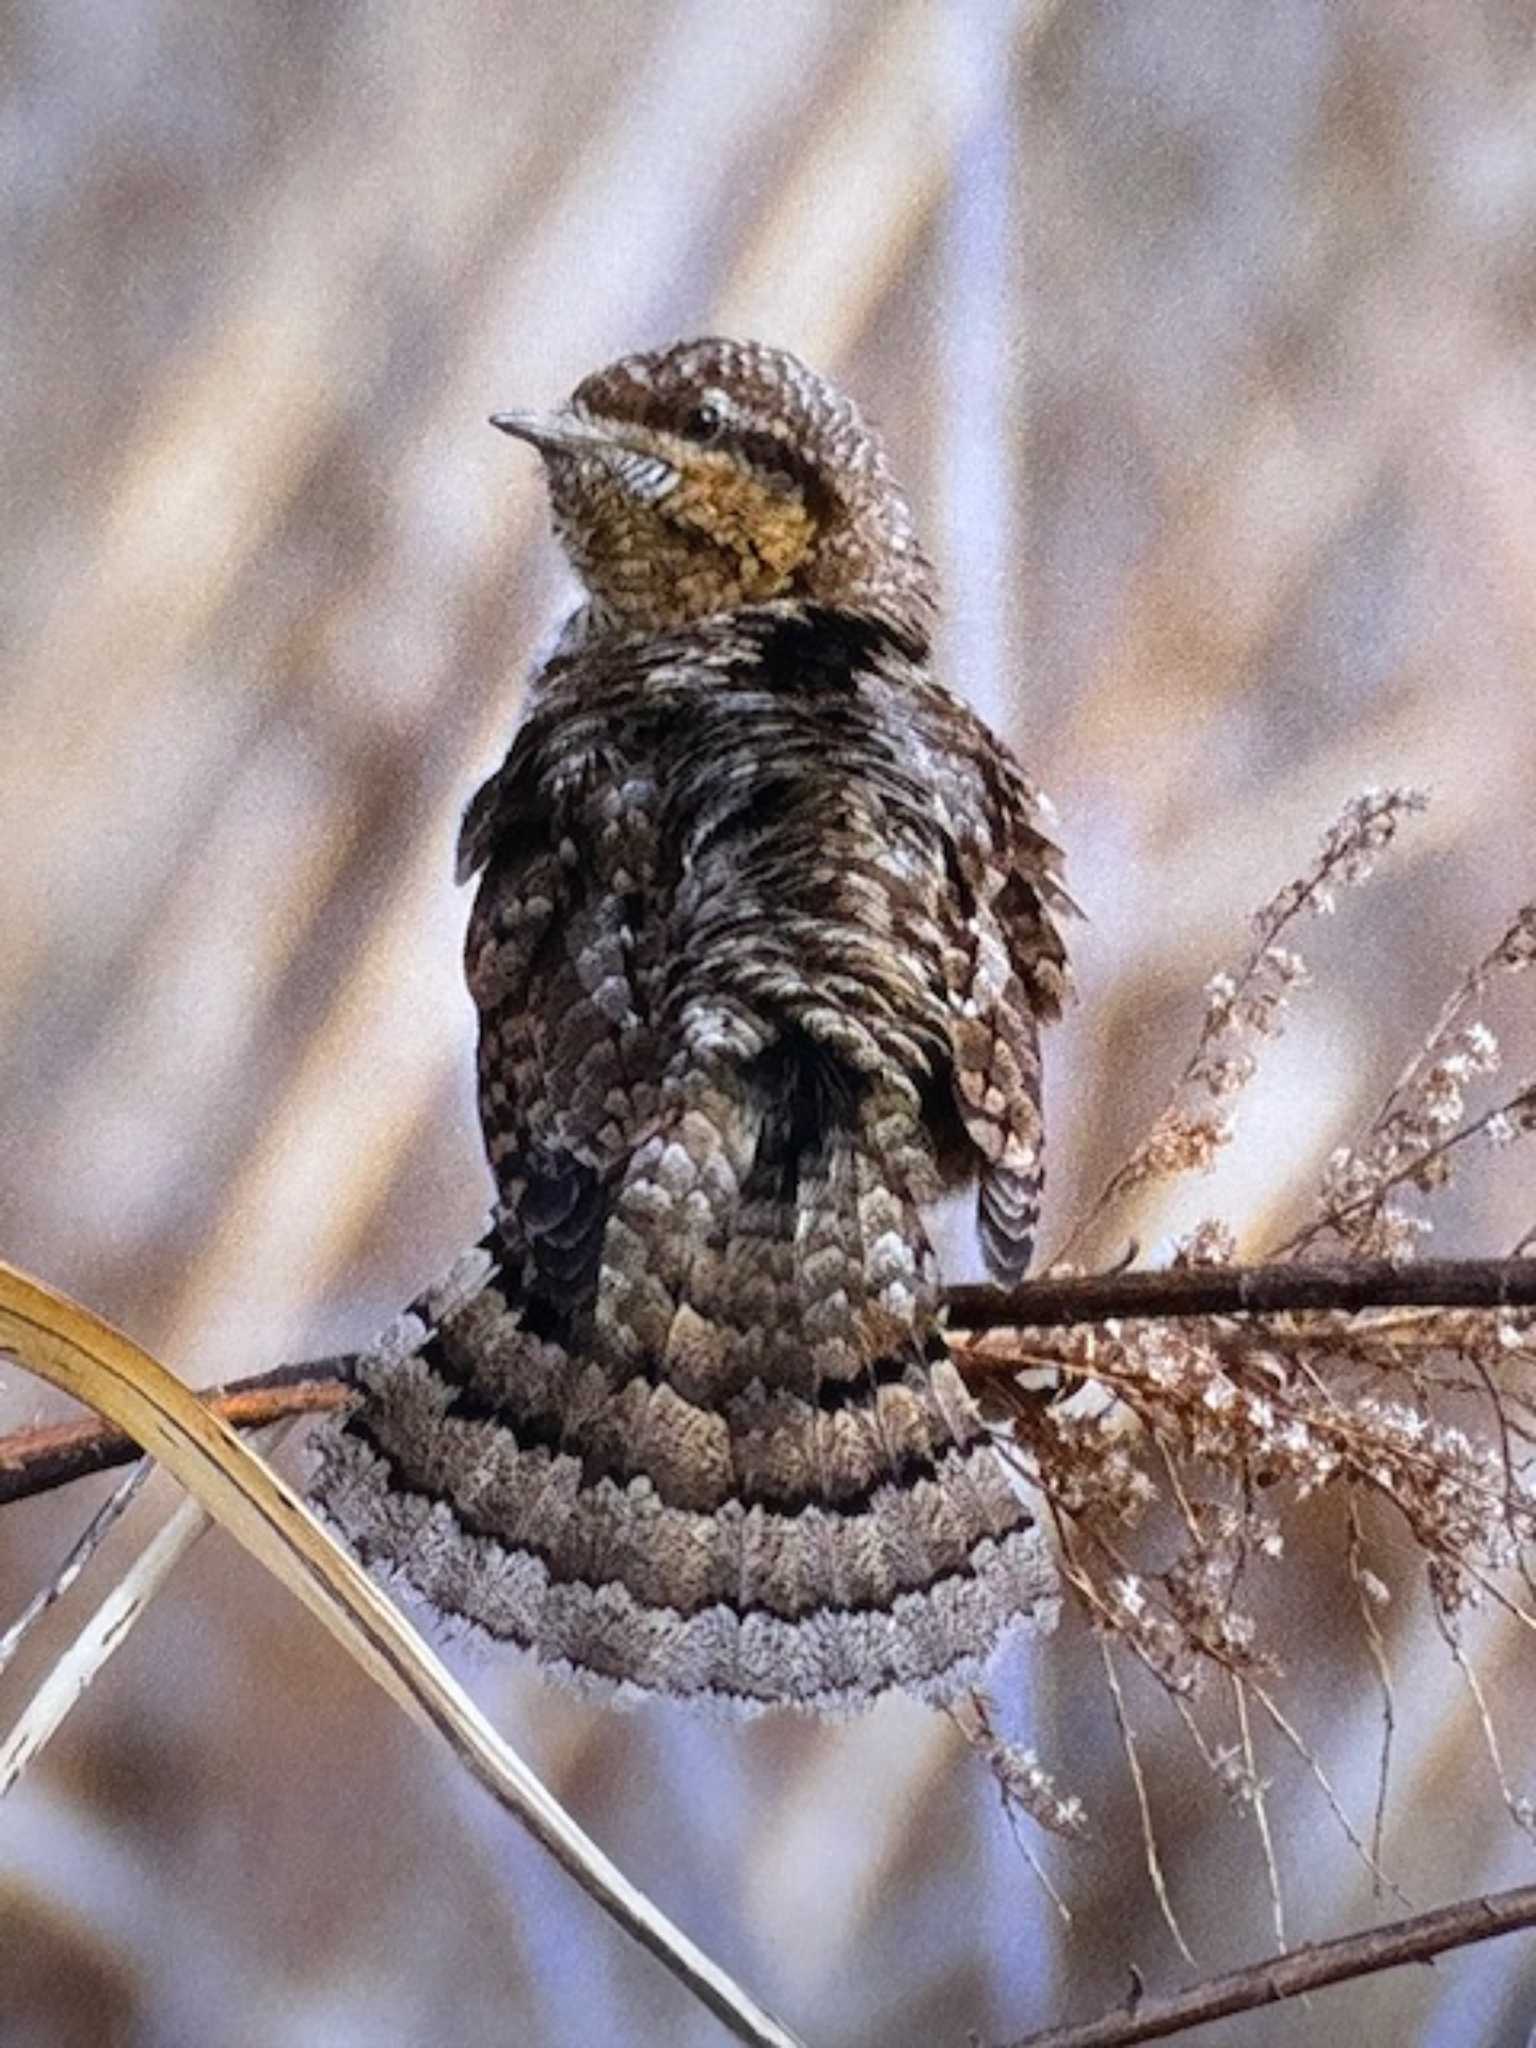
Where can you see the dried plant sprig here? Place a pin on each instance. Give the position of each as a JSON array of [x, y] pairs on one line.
[[1235, 1427], [1023, 1781], [1024, 1786], [1421, 1126], [1513, 953], [1417, 1153], [1350, 850], [1245, 1008], [1260, 1428], [1238, 1427]]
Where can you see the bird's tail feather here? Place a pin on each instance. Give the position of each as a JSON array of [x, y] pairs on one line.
[[747, 1473]]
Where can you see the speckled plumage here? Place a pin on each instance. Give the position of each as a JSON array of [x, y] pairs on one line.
[[762, 937]]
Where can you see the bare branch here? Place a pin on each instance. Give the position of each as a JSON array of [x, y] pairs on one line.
[[1345, 1286], [38, 1460], [35, 1461], [1308, 1968]]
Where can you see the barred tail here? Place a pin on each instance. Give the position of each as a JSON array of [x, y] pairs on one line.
[[738, 1466]]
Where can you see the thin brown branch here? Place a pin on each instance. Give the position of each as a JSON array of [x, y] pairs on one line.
[[1346, 1286], [1308, 1968], [36, 1460]]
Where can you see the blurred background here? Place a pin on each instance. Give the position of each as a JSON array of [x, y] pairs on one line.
[[1204, 334]]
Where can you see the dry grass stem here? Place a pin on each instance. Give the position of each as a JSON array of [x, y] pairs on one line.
[[1245, 1008], [67, 1680], [74, 1350], [1371, 1593], [1251, 1789], [1143, 1805], [80, 1553]]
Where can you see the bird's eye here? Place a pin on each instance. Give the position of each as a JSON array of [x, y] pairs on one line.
[[706, 422]]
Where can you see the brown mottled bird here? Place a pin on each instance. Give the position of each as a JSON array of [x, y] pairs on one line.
[[763, 936]]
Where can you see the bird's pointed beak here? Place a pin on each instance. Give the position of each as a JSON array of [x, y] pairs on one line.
[[552, 433]]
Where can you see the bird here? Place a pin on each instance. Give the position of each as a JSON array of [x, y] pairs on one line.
[[765, 930]]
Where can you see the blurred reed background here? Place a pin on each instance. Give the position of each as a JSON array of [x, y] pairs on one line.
[[1202, 331]]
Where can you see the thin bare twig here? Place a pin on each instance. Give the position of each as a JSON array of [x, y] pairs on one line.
[[1143, 1804], [40, 1459], [1257, 1792], [1247, 1007], [35, 1461], [1367, 1589], [1311, 1967], [1345, 1286]]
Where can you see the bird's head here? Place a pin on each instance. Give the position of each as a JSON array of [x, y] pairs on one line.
[[714, 474]]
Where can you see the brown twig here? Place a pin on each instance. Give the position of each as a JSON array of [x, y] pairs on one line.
[[1346, 1286], [1299, 1970], [35, 1461]]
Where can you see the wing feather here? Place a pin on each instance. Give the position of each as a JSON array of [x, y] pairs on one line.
[[1006, 974]]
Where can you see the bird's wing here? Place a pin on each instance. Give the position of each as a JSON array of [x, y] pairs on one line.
[[1006, 972], [566, 1069]]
